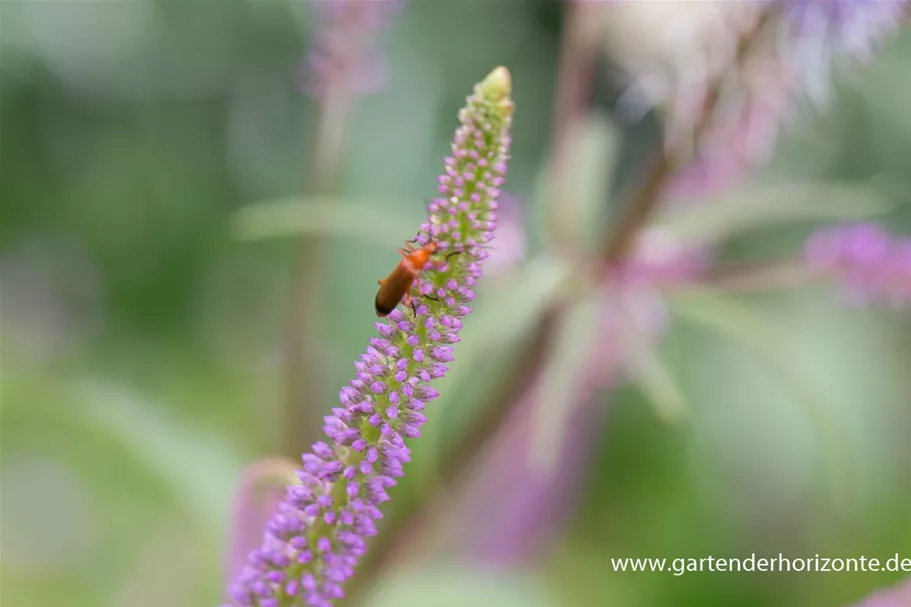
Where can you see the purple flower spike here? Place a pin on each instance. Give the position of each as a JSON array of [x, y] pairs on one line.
[[343, 56], [315, 539], [871, 263]]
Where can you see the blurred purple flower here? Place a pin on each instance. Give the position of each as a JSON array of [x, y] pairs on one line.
[[815, 32], [853, 27], [811, 35], [753, 91], [342, 54], [759, 96], [898, 595], [261, 488], [511, 237], [870, 262], [318, 533], [744, 131]]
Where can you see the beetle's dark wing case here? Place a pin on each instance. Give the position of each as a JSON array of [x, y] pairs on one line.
[[393, 289]]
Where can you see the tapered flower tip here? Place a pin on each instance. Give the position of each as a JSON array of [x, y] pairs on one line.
[[498, 84]]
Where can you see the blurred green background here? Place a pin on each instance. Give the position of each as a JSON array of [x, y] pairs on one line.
[[141, 340]]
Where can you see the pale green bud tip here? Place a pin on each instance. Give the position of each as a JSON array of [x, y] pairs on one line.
[[497, 87]]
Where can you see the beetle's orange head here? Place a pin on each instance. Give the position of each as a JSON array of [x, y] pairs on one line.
[[420, 257]]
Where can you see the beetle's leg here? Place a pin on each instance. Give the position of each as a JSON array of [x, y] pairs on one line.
[[420, 292], [410, 303], [446, 255], [446, 258]]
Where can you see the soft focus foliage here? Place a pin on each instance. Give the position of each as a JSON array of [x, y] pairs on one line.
[[141, 333]]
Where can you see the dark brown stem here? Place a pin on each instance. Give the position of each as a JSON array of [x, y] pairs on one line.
[[458, 459], [640, 207]]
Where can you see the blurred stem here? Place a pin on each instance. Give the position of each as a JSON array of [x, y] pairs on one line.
[[577, 61], [326, 153], [752, 276]]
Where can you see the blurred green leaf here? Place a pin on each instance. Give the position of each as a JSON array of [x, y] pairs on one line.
[[503, 320], [720, 218], [370, 221], [197, 467], [652, 376], [575, 198], [760, 336], [458, 587], [891, 109], [572, 348]]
